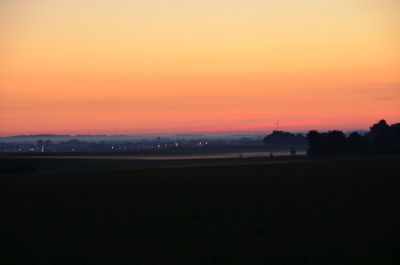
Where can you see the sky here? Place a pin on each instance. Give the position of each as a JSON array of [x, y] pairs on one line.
[[166, 66]]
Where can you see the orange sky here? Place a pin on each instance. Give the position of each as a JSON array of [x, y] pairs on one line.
[[154, 66]]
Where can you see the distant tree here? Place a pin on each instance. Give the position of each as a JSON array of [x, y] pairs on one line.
[[336, 143], [357, 144], [384, 138], [331, 143], [379, 135], [281, 138], [73, 142], [379, 128], [315, 142], [40, 143], [395, 131]]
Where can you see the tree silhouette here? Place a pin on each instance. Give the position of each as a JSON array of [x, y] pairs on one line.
[[357, 143], [381, 138]]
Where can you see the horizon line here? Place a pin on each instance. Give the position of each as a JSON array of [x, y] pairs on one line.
[[176, 133], [260, 128]]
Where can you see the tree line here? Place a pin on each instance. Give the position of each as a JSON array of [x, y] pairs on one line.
[[381, 139]]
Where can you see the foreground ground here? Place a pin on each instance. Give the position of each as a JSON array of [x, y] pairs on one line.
[[322, 212]]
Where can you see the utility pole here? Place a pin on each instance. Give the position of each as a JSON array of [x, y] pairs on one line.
[[277, 125]]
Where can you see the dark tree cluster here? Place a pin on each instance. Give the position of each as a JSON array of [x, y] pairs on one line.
[[281, 138], [384, 137], [381, 138]]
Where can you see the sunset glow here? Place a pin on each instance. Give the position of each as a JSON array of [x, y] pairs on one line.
[[126, 67]]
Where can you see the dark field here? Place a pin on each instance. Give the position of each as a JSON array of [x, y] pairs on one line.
[[321, 212]]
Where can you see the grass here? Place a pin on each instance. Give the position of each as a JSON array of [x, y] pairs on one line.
[[333, 212]]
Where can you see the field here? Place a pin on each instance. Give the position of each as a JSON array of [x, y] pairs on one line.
[[318, 212]]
